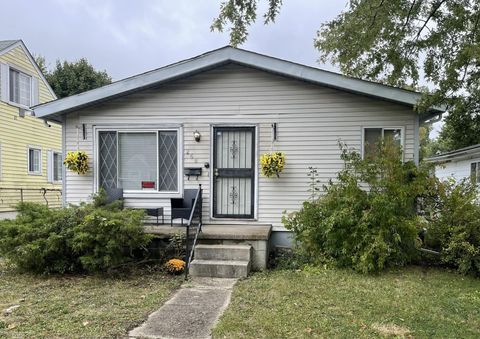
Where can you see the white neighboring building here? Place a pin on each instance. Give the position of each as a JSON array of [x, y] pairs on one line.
[[459, 164]]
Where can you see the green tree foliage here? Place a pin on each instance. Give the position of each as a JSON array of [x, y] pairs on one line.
[[454, 226], [462, 124], [399, 43], [241, 14], [366, 219], [69, 78]]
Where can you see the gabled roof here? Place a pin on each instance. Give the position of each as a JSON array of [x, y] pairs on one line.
[[461, 153], [215, 58], [7, 45]]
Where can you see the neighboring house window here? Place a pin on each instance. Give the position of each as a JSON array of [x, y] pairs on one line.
[[54, 166], [139, 161], [20, 87], [34, 161], [475, 172], [371, 137], [57, 166]]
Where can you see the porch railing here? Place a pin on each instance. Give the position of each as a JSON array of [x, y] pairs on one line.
[[10, 196], [195, 220]]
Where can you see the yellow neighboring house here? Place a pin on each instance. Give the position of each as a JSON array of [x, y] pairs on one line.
[[30, 148]]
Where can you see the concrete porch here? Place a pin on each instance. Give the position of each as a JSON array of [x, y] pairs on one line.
[[256, 236]]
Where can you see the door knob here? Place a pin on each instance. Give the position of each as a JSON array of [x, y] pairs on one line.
[[215, 172]]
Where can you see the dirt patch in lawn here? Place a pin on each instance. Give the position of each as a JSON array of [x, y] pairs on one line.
[[391, 330], [79, 305]]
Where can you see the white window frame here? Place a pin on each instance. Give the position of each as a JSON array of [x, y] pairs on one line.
[[39, 149], [144, 193], [402, 138], [13, 103]]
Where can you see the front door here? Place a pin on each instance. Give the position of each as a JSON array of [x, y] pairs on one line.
[[233, 172]]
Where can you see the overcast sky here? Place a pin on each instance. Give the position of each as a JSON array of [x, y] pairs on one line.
[[126, 37]]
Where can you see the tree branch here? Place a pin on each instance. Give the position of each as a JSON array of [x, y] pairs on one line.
[[408, 15], [376, 13], [432, 13]]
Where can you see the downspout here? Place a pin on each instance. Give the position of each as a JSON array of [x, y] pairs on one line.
[[416, 143], [419, 120]]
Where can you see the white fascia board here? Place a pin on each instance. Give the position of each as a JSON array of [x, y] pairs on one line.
[[222, 56]]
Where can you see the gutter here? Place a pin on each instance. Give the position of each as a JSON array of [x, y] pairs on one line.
[[457, 155]]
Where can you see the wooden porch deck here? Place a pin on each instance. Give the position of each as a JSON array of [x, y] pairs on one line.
[[216, 232]]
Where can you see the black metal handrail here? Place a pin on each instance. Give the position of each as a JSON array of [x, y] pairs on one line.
[[196, 210]]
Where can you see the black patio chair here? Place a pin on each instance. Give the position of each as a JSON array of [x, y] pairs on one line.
[[113, 194], [182, 207]]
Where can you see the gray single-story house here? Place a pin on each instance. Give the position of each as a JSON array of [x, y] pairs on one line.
[[459, 164], [218, 113]]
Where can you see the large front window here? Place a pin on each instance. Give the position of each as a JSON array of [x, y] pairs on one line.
[[139, 161]]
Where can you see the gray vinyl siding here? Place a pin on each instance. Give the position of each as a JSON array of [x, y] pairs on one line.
[[311, 119]]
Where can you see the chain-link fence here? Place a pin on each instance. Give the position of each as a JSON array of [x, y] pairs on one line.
[[10, 197]]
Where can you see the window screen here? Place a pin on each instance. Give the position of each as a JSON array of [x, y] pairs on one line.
[[137, 154]]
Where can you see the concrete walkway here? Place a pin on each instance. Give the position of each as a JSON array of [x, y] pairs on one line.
[[191, 312]]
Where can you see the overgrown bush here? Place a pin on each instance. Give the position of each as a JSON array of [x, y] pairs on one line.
[[90, 237], [454, 227], [40, 239], [107, 238], [366, 219]]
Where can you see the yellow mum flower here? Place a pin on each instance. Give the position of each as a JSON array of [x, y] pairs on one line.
[[175, 266]]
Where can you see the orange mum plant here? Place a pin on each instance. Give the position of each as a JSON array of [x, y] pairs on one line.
[[175, 266]]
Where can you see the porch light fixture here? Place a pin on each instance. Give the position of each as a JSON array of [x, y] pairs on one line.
[[197, 136], [274, 131]]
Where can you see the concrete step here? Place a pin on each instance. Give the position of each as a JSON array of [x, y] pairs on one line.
[[219, 268], [223, 252]]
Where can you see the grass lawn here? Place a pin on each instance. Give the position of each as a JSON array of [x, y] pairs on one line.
[[79, 306], [407, 302]]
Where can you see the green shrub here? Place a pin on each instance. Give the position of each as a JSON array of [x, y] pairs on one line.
[[90, 237], [454, 228], [366, 219], [39, 239], [108, 238]]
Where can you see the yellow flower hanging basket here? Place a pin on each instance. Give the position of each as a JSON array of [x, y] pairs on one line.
[[272, 164], [77, 162]]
